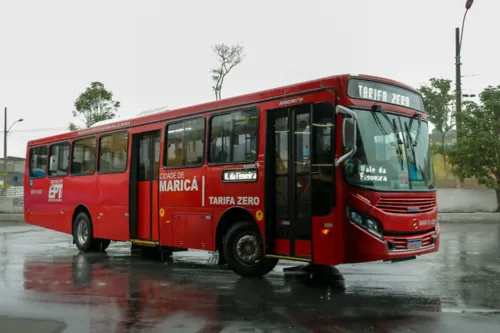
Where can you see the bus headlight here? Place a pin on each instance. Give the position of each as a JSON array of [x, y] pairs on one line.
[[365, 222], [374, 228], [357, 218]]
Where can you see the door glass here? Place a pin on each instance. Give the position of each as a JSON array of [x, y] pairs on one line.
[[156, 165], [303, 141], [144, 158], [281, 138], [323, 156], [302, 132], [281, 135], [282, 198]]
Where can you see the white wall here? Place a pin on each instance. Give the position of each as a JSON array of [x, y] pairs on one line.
[[451, 200], [11, 205], [13, 165]]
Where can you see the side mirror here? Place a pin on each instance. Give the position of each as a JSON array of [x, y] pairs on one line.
[[349, 134]]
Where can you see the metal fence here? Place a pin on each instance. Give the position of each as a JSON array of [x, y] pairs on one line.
[[13, 191]]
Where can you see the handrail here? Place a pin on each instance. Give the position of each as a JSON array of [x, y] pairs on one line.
[[344, 110]]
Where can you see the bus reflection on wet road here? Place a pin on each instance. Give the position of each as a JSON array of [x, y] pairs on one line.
[[42, 277]]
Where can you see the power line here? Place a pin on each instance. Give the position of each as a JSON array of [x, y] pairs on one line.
[[39, 130]]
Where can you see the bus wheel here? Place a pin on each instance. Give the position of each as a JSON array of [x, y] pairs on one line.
[[244, 251], [82, 230]]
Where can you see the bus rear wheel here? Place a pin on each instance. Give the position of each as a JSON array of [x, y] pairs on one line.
[[83, 235], [244, 251]]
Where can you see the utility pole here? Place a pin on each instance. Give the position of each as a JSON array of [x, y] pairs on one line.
[[458, 69], [5, 142], [458, 82], [5, 132], [5, 150], [458, 63]]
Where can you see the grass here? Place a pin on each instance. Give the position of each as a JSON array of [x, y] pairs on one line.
[[441, 173]]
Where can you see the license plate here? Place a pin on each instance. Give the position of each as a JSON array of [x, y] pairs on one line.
[[414, 244]]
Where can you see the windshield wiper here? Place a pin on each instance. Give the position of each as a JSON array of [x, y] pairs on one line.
[[417, 136], [412, 146], [379, 124], [394, 128], [392, 124]]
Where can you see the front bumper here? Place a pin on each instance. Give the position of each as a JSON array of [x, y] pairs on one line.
[[364, 246]]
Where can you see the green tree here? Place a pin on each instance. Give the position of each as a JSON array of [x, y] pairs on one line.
[[438, 102], [227, 58], [477, 153], [94, 104]]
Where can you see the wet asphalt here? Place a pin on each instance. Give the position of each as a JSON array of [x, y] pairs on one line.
[[47, 286]]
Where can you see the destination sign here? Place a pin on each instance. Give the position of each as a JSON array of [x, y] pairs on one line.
[[239, 175], [383, 92]]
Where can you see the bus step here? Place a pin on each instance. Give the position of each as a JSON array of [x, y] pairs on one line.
[[142, 242]]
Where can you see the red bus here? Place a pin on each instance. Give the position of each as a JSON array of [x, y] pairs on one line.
[[330, 171]]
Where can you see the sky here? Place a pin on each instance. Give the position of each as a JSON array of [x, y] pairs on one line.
[[158, 53]]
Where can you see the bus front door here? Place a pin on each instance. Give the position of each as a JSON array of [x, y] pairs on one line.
[[144, 173], [299, 177]]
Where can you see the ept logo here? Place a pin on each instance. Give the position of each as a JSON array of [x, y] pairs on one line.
[[56, 190]]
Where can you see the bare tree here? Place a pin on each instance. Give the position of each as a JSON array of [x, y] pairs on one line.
[[227, 58]]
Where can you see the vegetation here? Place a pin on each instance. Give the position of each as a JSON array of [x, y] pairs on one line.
[[227, 58], [94, 104], [442, 171], [477, 153], [438, 101], [4, 187]]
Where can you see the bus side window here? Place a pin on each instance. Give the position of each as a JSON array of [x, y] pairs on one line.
[[59, 159], [38, 162], [84, 156], [233, 137], [185, 146], [113, 150]]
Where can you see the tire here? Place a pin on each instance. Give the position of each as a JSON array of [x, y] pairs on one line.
[[82, 232], [250, 263]]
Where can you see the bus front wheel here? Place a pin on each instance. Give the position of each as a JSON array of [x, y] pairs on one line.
[[244, 251]]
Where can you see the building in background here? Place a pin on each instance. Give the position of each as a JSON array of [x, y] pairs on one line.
[[15, 167]]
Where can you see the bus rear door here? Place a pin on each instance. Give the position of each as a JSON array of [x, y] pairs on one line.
[[144, 174]]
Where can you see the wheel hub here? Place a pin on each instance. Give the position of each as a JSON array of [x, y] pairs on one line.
[[247, 249], [82, 232]]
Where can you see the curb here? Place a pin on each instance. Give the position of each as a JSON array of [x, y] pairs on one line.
[[17, 324], [11, 218], [468, 217]]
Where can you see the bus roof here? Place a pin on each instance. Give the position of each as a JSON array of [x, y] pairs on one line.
[[163, 113], [140, 114]]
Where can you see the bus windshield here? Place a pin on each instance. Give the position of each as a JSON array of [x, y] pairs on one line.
[[391, 155]]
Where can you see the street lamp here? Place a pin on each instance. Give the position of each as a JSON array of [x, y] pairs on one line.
[[5, 141], [17, 121], [458, 45]]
